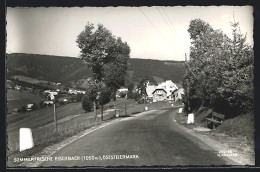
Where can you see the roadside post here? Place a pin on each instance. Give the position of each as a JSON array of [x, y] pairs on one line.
[[54, 114], [25, 139]]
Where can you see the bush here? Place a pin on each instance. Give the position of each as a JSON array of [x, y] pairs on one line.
[[87, 104], [141, 101], [122, 94], [23, 109], [79, 97], [134, 96], [41, 104], [34, 106]]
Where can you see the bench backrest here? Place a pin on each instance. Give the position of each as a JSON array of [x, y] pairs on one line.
[[218, 115]]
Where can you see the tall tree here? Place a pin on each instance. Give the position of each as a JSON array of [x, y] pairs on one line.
[[217, 66], [105, 55], [141, 87]]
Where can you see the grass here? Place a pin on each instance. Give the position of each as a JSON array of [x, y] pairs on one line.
[[17, 99], [29, 79], [242, 126], [236, 133]]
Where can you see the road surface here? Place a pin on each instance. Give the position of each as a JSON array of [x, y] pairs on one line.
[[147, 139]]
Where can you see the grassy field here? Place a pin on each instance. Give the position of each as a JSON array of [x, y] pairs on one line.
[[17, 99], [29, 79]]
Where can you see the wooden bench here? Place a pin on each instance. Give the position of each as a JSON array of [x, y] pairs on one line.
[[216, 118]]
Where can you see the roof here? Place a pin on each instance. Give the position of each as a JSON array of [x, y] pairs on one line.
[[150, 89], [159, 89]]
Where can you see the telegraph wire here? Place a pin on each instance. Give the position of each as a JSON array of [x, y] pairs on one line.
[[166, 21], [154, 26]]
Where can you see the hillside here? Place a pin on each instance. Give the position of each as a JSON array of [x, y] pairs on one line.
[[66, 69]]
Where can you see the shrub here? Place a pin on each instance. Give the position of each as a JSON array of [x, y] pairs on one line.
[[79, 97], [34, 106], [41, 104], [134, 96], [122, 94], [87, 104], [23, 109]]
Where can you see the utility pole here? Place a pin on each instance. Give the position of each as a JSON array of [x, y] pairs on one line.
[[188, 97], [55, 117]]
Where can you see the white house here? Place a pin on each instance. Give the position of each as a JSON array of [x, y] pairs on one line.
[[122, 90], [159, 94], [52, 95], [17, 87], [29, 107], [81, 92], [72, 91], [169, 87], [48, 102]]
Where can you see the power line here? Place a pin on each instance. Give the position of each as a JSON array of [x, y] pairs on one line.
[[172, 26], [153, 25], [167, 22], [168, 19]]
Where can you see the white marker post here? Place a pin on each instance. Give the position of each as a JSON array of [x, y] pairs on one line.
[[190, 118], [26, 139], [180, 110], [146, 108]]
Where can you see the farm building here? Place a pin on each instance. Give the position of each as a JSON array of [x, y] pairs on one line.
[[169, 87], [159, 94], [29, 107]]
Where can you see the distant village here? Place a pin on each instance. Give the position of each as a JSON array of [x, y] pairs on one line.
[[164, 91]]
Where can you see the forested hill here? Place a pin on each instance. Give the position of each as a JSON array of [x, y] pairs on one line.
[[65, 69]]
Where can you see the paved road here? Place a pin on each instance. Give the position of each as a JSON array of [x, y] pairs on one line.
[[152, 137]]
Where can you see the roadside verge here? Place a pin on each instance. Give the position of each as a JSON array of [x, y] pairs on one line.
[[226, 146]]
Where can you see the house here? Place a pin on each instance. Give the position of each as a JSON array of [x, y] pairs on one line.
[[47, 91], [17, 87], [122, 90], [72, 91], [169, 87], [48, 103], [159, 94], [81, 92], [29, 107], [177, 95], [52, 95]]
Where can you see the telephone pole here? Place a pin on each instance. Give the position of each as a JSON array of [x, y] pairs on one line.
[[188, 97]]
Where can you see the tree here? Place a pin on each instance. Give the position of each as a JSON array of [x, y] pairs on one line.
[[105, 55], [237, 85], [87, 104], [220, 71], [104, 98], [130, 87], [141, 87], [41, 104], [24, 109], [34, 106]]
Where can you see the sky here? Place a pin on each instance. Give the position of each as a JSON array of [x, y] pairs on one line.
[[157, 32]]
